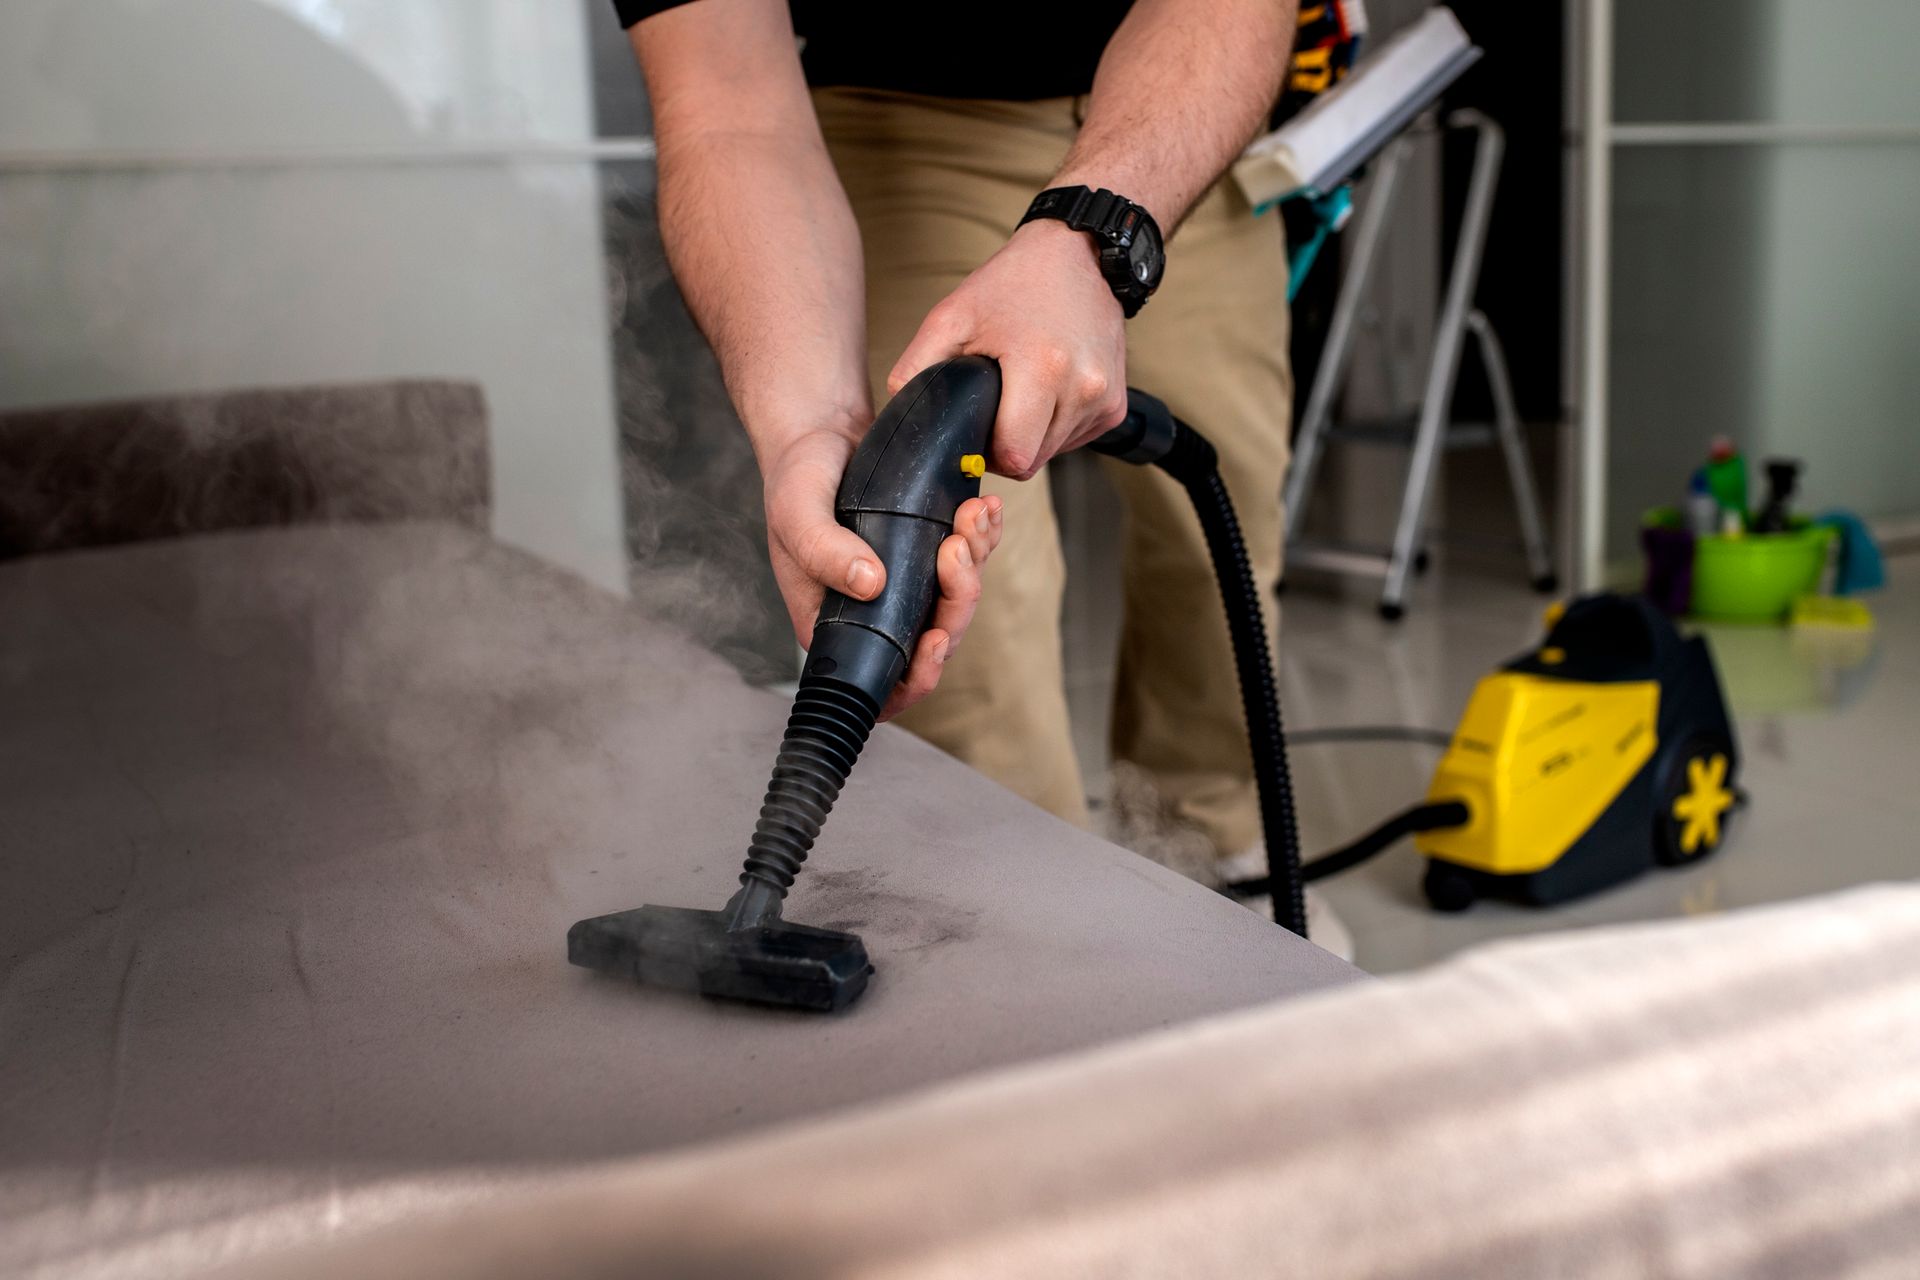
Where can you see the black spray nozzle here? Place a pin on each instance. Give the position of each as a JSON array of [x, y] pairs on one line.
[[923, 457]]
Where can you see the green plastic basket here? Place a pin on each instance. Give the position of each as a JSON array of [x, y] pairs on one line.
[[1756, 577]]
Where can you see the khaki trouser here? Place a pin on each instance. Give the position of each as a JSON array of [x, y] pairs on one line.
[[937, 186]]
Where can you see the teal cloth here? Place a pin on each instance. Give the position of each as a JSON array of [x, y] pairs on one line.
[[1860, 567]]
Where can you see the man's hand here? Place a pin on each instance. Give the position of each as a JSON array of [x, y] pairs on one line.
[[1041, 307], [812, 552]]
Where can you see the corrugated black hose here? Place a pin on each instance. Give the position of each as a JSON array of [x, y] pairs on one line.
[[825, 731], [1151, 434]]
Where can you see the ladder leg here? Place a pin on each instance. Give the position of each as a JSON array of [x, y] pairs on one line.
[[1506, 421], [1436, 402], [1318, 416], [1408, 534]]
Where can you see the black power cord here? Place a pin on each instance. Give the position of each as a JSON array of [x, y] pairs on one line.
[[1431, 816], [1370, 733], [1423, 817]]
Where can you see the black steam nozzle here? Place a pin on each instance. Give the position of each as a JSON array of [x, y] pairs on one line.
[[792, 965], [922, 458]]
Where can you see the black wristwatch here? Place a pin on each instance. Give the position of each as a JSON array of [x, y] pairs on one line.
[[1132, 255]]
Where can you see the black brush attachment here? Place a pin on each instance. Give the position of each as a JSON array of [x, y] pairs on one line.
[[792, 965], [922, 458]]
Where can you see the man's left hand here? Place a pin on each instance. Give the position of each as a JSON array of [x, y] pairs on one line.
[[1042, 309]]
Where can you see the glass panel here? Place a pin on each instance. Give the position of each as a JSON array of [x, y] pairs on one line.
[[1765, 294], [80, 74], [148, 277], [142, 283], [1817, 62]]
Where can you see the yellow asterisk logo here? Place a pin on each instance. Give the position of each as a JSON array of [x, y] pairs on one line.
[[1705, 799]]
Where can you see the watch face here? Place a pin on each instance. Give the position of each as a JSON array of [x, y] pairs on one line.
[[1146, 257]]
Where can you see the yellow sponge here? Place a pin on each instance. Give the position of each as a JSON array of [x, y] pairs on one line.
[[1832, 611]]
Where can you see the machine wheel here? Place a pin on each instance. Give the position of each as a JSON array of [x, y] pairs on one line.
[[1447, 887], [1694, 793], [1547, 583], [1392, 612]]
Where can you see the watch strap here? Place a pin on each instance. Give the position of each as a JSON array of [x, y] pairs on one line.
[[1083, 209]]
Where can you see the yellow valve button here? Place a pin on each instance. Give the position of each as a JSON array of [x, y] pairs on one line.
[[1553, 655], [973, 466], [1554, 612]]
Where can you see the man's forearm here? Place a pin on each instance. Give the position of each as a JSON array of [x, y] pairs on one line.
[[1184, 85], [755, 222], [764, 246]]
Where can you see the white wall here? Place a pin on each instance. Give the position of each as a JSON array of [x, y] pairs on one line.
[[130, 264], [1842, 332], [1766, 290]]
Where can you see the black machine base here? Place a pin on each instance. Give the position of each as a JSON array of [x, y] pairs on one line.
[[792, 965]]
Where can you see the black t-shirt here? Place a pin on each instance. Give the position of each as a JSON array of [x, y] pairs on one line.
[[982, 49]]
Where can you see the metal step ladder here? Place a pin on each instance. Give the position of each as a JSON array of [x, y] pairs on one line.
[[1432, 428]]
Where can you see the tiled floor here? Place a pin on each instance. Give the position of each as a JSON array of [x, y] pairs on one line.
[[1828, 723]]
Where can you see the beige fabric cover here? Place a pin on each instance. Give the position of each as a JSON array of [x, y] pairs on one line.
[[1729, 1097]]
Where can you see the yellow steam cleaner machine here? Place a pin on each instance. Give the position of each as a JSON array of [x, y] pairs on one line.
[[1604, 751], [1601, 753]]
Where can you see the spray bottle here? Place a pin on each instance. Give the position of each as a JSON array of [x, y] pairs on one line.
[[1726, 473]]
